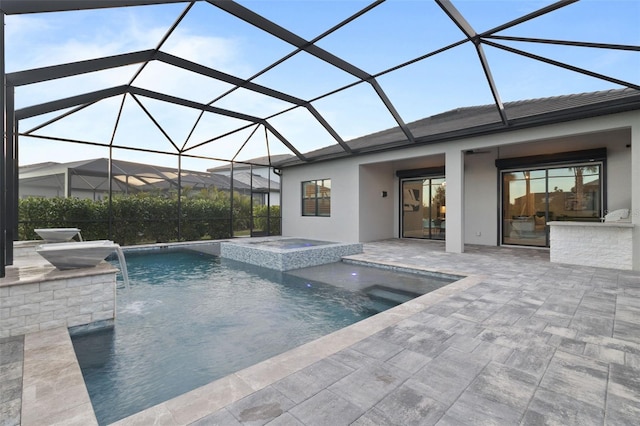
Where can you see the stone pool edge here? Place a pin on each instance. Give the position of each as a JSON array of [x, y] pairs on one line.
[[200, 402], [53, 388]]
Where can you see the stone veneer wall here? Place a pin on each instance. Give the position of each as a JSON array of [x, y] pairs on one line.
[[65, 301], [605, 245]]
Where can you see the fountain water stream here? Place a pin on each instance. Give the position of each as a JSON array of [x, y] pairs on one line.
[[123, 266]]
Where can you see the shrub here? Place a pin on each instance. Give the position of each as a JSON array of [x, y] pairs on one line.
[[34, 212], [140, 218], [260, 219]]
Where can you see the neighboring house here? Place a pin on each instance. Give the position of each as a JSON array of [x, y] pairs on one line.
[[469, 177], [261, 187], [258, 173], [90, 179]]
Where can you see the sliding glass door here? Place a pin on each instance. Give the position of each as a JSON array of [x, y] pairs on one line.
[[533, 197], [423, 208]]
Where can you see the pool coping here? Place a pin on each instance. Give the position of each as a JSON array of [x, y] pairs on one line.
[[61, 392], [53, 389]]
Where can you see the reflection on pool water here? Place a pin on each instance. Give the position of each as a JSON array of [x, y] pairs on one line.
[[189, 319]]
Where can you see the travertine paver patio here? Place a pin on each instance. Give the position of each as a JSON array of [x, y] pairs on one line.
[[523, 341], [11, 358]]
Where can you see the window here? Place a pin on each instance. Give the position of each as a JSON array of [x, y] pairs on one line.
[[550, 187], [316, 198], [533, 197]]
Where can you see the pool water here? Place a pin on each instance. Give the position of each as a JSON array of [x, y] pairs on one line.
[[290, 243], [188, 319]]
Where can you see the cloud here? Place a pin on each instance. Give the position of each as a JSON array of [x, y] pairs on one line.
[[18, 25], [48, 39], [96, 122], [215, 52]]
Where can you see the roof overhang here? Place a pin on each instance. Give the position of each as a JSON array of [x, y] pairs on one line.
[[616, 106]]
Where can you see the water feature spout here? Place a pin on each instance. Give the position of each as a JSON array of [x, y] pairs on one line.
[[84, 254], [74, 255], [58, 235]]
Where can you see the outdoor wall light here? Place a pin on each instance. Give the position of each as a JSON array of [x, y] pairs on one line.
[[384, 194]]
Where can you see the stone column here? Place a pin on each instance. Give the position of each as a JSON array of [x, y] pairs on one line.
[[454, 176]]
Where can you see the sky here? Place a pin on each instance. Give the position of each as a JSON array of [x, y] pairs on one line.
[[392, 33]]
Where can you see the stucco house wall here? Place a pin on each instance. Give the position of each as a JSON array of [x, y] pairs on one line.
[[359, 213], [342, 225], [377, 212], [481, 197]]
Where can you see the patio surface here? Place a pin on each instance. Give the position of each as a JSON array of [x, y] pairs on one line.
[[521, 341]]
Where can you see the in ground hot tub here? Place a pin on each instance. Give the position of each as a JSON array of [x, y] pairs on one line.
[[284, 254]]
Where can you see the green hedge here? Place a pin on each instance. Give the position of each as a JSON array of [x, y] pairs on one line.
[[142, 218], [88, 215], [260, 219]]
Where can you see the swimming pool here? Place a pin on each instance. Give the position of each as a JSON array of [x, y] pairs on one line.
[[189, 319]]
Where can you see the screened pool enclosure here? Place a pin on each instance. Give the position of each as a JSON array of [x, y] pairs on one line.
[[210, 99]]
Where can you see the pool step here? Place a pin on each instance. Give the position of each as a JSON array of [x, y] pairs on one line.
[[390, 295]]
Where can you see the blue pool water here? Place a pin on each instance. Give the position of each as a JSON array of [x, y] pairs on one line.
[[189, 319]]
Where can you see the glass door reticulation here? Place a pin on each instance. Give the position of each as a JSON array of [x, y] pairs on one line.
[[423, 208], [531, 198]]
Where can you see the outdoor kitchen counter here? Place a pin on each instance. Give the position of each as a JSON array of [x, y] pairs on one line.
[[599, 244]]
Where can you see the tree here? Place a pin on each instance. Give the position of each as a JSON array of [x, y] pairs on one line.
[[578, 189]]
